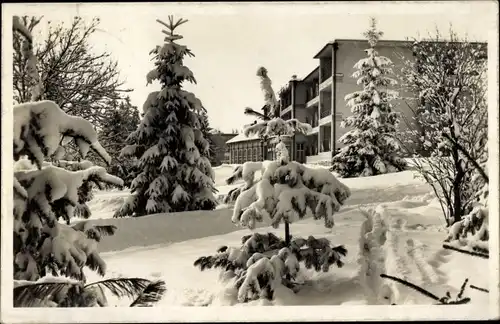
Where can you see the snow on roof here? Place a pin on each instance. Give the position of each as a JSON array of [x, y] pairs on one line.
[[242, 138]]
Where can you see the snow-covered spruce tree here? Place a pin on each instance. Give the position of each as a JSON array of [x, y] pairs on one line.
[[448, 77], [370, 145], [175, 171], [49, 256], [288, 191]]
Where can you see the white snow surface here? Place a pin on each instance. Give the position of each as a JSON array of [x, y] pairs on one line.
[[164, 246]]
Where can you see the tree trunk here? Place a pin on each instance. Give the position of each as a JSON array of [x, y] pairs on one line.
[[457, 188], [287, 233], [287, 242]]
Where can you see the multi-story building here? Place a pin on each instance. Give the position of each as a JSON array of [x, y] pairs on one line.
[[318, 99]]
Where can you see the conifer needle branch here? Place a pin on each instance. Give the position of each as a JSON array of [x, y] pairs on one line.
[[180, 22], [163, 23]]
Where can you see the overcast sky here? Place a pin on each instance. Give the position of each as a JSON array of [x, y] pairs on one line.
[[230, 41]]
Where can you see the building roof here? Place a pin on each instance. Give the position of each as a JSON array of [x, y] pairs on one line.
[[314, 73], [385, 42], [323, 49], [242, 138], [326, 47]]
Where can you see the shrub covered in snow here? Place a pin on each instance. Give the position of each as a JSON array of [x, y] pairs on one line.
[[472, 231], [173, 155], [370, 145], [448, 77]]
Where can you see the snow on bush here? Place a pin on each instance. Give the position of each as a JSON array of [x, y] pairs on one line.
[[472, 231], [448, 77]]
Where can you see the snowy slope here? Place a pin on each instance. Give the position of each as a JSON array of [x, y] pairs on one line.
[[166, 245]]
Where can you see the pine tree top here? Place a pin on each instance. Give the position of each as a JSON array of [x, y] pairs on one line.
[[171, 26], [373, 35]]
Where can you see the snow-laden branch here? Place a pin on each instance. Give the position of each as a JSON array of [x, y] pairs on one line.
[[52, 184], [287, 192], [40, 126], [277, 127]]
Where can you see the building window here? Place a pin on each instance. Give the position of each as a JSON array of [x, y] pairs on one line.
[[301, 157]]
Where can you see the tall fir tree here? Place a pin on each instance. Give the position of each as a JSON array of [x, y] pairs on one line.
[[370, 146], [175, 171]]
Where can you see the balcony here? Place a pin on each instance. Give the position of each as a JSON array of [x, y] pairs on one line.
[[286, 110], [313, 102], [325, 120], [314, 130], [312, 91], [313, 119], [325, 145], [326, 85], [326, 110], [287, 115], [325, 68], [285, 99]]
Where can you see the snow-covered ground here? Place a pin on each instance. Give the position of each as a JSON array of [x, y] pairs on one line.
[[164, 246]]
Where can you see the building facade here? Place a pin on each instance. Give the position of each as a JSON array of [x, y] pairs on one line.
[[318, 99], [221, 154]]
